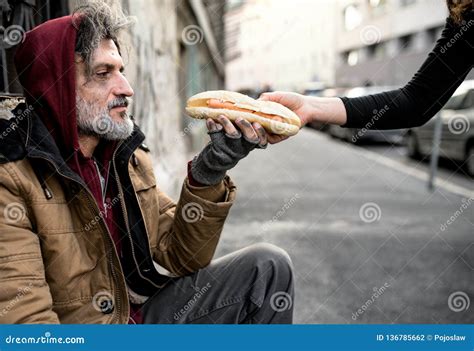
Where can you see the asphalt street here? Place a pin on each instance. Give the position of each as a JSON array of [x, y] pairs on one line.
[[448, 170], [369, 242]]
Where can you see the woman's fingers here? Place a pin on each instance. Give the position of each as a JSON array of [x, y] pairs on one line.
[[275, 138], [273, 96], [293, 101]]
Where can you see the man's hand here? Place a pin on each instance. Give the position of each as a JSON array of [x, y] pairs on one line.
[[252, 132], [229, 144]]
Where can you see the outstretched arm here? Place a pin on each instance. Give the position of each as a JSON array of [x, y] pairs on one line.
[[413, 105], [427, 92]]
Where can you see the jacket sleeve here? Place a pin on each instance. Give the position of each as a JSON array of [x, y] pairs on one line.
[[24, 293], [189, 231]]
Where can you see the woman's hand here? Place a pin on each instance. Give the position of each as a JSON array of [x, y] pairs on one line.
[[309, 109], [299, 104], [295, 102]]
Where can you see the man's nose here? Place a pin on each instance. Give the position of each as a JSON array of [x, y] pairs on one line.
[[123, 87]]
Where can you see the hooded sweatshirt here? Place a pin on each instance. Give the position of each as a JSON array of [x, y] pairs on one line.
[[45, 63]]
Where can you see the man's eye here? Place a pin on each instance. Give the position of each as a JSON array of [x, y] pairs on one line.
[[102, 74]]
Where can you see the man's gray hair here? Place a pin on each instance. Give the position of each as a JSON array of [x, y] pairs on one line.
[[96, 20]]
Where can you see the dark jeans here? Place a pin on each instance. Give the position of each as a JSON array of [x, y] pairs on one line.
[[252, 285]]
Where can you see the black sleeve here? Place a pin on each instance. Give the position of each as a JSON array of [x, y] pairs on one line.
[[428, 91]]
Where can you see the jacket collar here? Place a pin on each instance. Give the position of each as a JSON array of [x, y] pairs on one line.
[[39, 144]]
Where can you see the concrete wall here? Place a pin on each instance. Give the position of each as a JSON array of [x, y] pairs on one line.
[[200, 62], [151, 68]]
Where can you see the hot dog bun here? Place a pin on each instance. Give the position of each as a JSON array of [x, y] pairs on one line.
[[274, 117]]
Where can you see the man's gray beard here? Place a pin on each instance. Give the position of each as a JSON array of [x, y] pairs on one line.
[[98, 122]]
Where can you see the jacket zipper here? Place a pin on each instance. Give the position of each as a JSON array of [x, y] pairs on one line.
[[103, 186], [124, 211], [94, 208]]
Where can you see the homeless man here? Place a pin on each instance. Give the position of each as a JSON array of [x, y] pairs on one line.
[[86, 235]]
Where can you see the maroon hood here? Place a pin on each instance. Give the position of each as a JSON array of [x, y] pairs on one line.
[[45, 66]]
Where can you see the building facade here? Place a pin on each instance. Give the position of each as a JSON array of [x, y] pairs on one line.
[[384, 42], [281, 45]]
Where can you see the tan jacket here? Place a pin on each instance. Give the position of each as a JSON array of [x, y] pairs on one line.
[[58, 263]]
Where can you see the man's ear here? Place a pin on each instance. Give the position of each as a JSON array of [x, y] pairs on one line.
[[78, 58], [81, 72]]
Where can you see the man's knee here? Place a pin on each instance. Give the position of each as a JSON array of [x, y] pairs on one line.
[[266, 256]]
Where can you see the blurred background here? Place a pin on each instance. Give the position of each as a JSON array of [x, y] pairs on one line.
[[371, 238]]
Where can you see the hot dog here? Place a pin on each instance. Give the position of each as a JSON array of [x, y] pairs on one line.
[[274, 117]]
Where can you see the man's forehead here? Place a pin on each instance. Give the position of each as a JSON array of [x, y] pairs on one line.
[[107, 54]]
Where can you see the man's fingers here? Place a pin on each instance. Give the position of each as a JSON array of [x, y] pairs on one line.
[[212, 126], [229, 128], [253, 132], [262, 134], [247, 129]]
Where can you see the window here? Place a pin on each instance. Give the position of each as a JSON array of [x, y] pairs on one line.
[[19, 17], [435, 33], [456, 102], [232, 4], [406, 42], [353, 58], [377, 7], [469, 100], [377, 3], [371, 50], [407, 2], [432, 34], [352, 17], [344, 57], [376, 51]]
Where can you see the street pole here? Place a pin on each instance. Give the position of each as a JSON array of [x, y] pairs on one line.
[[435, 151]]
